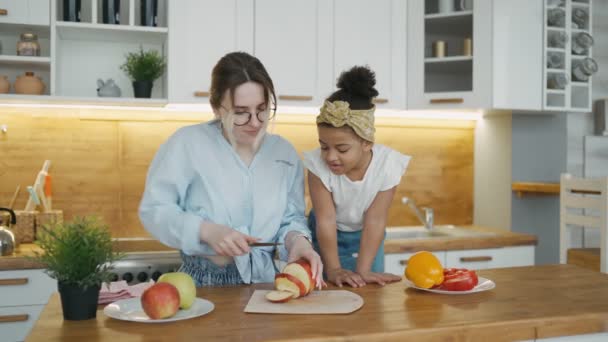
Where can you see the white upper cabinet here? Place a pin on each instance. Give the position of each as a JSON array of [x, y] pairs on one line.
[[373, 33], [28, 12], [475, 54], [200, 33], [290, 48]]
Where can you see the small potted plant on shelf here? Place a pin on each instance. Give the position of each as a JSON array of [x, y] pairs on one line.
[[79, 255], [143, 68]]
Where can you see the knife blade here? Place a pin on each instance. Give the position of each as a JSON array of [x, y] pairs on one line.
[[264, 244]]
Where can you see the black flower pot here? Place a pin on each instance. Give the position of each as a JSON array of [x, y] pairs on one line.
[[77, 303], [142, 89]]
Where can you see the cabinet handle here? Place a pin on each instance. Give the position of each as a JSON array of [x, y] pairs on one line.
[[14, 318], [295, 97], [403, 262], [476, 259], [3, 11], [447, 100], [379, 100], [14, 281], [201, 94]]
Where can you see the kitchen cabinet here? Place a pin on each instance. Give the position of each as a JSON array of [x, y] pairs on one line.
[[304, 54], [23, 295], [26, 12], [396, 263], [295, 50], [16, 18], [201, 32], [373, 33], [476, 259], [560, 60], [504, 68], [89, 50]]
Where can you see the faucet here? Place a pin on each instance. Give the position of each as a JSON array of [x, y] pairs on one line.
[[427, 219]]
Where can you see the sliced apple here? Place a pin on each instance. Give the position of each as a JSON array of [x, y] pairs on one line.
[[287, 282], [279, 296], [301, 269]]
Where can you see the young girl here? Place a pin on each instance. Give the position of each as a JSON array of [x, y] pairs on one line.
[[352, 182]]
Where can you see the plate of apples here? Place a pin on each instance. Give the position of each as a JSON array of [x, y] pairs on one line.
[[172, 298]]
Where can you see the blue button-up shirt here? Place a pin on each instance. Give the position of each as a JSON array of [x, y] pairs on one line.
[[197, 176]]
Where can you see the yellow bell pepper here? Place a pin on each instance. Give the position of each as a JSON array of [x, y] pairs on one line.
[[424, 270]]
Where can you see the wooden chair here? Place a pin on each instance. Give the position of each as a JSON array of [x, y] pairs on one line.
[[583, 204]]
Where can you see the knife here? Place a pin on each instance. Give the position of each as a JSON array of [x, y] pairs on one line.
[[264, 244]]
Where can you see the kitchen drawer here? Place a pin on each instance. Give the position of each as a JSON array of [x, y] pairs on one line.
[[14, 11], [395, 263], [17, 321], [478, 259], [25, 287]]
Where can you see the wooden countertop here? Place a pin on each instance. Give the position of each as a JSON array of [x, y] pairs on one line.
[[527, 303], [503, 238], [19, 259]]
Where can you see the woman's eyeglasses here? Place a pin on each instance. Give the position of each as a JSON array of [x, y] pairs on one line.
[[242, 118]]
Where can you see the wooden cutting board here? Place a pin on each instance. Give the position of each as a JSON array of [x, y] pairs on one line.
[[318, 302]]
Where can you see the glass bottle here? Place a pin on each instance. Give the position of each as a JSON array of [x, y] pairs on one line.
[[557, 81], [111, 12], [149, 12], [558, 39], [71, 10], [583, 69], [28, 45], [555, 60], [581, 43], [580, 17], [556, 17]]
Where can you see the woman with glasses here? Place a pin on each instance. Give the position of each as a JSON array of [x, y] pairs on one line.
[[214, 189]]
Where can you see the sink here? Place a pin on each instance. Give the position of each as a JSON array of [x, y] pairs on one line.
[[439, 231]]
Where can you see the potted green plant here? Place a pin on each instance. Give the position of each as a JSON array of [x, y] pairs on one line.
[[79, 255], [143, 68]]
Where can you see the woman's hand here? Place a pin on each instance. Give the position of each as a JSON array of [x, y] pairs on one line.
[[300, 248], [340, 276], [378, 278], [224, 240]]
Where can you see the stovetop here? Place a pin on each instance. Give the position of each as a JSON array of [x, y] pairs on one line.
[[142, 266]]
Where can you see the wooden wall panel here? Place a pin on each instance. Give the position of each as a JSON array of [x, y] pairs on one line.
[[100, 160]]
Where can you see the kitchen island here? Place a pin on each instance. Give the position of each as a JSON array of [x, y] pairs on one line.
[[527, 303]]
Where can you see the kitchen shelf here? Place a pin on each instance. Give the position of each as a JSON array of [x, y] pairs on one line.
[[577, 96], [456, 15], [540, 188], [556, 91], [24, 60], [450, 59], [111, 33]]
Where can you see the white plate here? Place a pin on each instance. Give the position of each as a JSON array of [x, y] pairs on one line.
[[130, 310], [483, 284]]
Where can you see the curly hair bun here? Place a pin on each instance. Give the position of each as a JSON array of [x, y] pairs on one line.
[[359, 81]]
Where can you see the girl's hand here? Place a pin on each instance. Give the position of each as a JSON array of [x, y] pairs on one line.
[[224, 240], [379, 278], [341, 276], [300, 248]]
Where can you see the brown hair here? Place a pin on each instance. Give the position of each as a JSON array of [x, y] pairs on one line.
[[234, 69]]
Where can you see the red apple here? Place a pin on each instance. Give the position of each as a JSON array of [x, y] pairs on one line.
[[160, 300], [279, 296], [289, 283], [301, 269]]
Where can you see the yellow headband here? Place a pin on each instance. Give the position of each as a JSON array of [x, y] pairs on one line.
[[338, 114]]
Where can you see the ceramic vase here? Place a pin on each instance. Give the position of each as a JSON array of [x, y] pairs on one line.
[[29, 84], [5, 85]]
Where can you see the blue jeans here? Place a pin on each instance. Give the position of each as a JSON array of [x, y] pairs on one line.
[[348, 244]]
